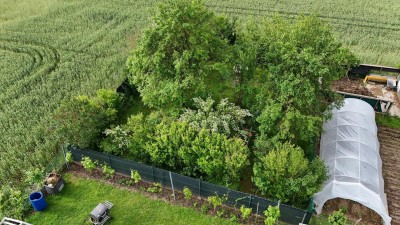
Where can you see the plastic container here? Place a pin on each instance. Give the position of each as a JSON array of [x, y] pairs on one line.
[[37, 201], [52, 188]]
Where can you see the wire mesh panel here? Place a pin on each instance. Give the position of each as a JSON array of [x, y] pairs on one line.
[[56, 163], [198, 187]]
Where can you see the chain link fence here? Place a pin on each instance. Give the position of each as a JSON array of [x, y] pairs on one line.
[[57, 163], [289, 214]]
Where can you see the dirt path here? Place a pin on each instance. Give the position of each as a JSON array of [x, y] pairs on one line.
[[390, 153]]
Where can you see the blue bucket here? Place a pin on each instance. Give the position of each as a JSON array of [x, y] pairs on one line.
[[37, 201]]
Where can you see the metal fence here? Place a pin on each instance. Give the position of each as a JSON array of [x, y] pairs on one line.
[[201, 188], [379, 105]]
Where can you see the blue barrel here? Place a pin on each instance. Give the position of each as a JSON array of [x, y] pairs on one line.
[[37, 201]]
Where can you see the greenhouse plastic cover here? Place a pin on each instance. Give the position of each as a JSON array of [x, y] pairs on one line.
[[350, 149]]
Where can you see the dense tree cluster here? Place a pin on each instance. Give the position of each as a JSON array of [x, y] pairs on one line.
[[191, 65]]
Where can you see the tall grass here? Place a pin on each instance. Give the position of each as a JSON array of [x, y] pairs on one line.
[[51, 50]]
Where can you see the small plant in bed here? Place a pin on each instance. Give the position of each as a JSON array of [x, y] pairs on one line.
[[108, 171], [88, 164]]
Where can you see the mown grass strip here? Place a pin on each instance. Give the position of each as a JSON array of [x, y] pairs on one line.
[[388, 121], [80, 196]]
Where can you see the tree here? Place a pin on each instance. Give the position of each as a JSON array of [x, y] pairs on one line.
[[224, 117], [81, 120], [285, 174], [185, 44], [296, 64], [221, 158]]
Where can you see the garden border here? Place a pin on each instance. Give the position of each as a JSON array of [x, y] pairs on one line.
[[289, 214]]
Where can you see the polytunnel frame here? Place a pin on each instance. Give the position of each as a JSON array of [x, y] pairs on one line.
[[351, 136]]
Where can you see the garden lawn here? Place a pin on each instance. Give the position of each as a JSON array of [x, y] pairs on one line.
[[388, 121], [80, 197]]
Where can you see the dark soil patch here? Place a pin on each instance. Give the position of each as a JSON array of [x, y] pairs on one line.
[[389, 140], [354, 211], [351, 85], [166, 194]]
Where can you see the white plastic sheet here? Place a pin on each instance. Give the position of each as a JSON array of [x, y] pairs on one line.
[[350, 149]]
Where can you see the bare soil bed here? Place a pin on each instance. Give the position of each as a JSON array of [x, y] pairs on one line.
[[390, 153], [352, 85]]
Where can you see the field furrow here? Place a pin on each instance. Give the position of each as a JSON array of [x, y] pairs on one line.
[[390, 153]]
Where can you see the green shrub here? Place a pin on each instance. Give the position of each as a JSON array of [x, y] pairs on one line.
[[81, 120], [245, 212], [220, 213], [177, 146], [285, 174], [233, 218], [68, 157], [337, 218], [88, 164], [117, 141], [135, 176], [272, 215], [108, 171], [217, 200], [205, 207], [224, 117], [35, 178], [13, 203], [156, 188], [187, 193]]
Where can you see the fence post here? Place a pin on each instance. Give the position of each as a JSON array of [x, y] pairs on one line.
[[65, 156], [152, 173], [163, 178], [199, 187], [109, 161], [250, 200], [172, 184], [279, 206], [258, 203]]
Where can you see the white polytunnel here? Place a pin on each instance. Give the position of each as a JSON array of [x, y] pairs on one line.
[[350, 149]]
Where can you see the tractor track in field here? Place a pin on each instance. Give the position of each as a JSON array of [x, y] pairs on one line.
[[390, 153], [45, 60], [391, 26]]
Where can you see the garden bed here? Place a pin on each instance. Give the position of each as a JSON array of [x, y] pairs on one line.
[[389, 139], [166, 194], [351, 85]]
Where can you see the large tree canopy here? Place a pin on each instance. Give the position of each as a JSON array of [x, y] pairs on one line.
[[296, 64], [184, 44]]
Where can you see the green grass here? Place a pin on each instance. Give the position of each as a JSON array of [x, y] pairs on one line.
[[388, 121], [51, 50], [320, 220], [74, 204]]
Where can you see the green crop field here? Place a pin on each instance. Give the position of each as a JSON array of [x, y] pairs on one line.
[[371, 28], [51, 50]]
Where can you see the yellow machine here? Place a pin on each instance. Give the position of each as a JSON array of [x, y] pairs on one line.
[[376, 78]]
